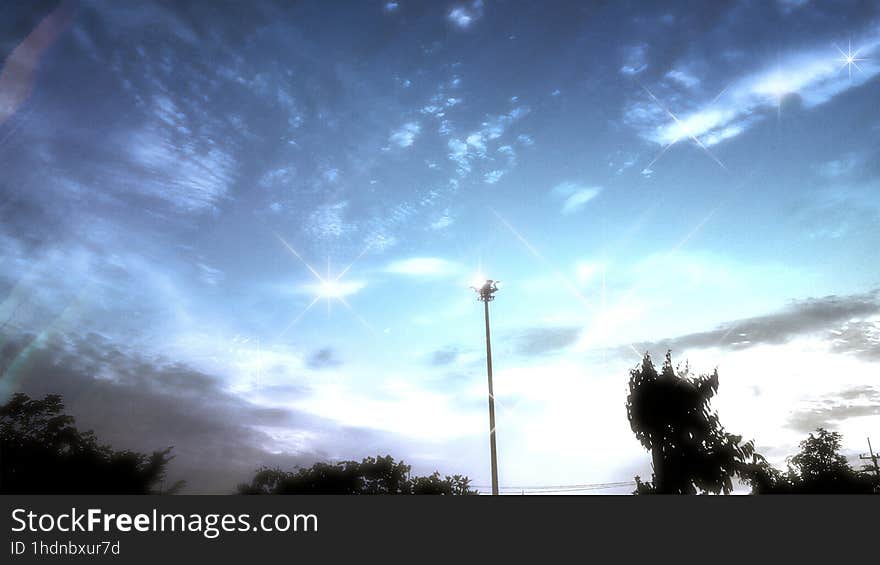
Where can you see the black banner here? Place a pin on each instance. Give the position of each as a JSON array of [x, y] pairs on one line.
[[290, 529]]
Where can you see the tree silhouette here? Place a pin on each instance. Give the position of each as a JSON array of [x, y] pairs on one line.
[[819, 468], [670, 415], [41, 452], [379, 475]]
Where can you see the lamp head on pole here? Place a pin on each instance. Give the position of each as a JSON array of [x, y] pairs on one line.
[[486, 291]]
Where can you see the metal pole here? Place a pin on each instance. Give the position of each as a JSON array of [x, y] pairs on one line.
[[491, 404]]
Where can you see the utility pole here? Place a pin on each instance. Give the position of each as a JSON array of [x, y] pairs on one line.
[[873, 458], [485, 294]]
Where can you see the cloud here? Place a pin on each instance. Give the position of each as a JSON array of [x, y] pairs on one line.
[[475, 141], [155, 139], [323, 359], [380, 241], [442, 222], [683, 78], [423, 266], [479, 145], [132, 402], [458, 153], [539, 341], [509, 153], [406, 135], [188, 174], [330, 176], [464, 16], [815, 76], [845, 166], [279, 178], [829, 411], [327, 221], [444, 356], [857, 337], [805, 317], [493, 177], [496, 126], [788, 6], [576, 195], [525, 140], [634, 59], [577, 200], [209, 275]]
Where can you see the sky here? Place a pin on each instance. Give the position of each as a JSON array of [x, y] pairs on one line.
[[248, 230]]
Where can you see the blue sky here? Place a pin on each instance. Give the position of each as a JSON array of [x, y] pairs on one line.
[[249, 230]]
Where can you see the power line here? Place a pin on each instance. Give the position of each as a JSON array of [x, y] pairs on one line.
[[572, 487], [550, 489]]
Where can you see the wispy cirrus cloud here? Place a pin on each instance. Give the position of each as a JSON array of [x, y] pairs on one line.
[[443, 222], [845, 166], [492, 177], [328, 221], [210, 275], [684, 78], [478, 146], [635, 59], [188, 175], [814, 76], [466, 15], [576, 195], [406, 135], [788, 6]]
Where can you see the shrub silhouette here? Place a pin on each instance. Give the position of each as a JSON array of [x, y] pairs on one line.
[[41, 452], [818, 468], [379, 475]]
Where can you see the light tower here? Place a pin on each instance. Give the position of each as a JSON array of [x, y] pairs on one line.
[[485, 294]]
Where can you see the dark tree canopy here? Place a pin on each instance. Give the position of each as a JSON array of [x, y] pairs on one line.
[[819, 468], [670, 414], [379, 475], [42, 452]]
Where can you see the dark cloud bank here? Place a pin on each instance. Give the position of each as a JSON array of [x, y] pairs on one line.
[[144, 405], [841, 318]]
